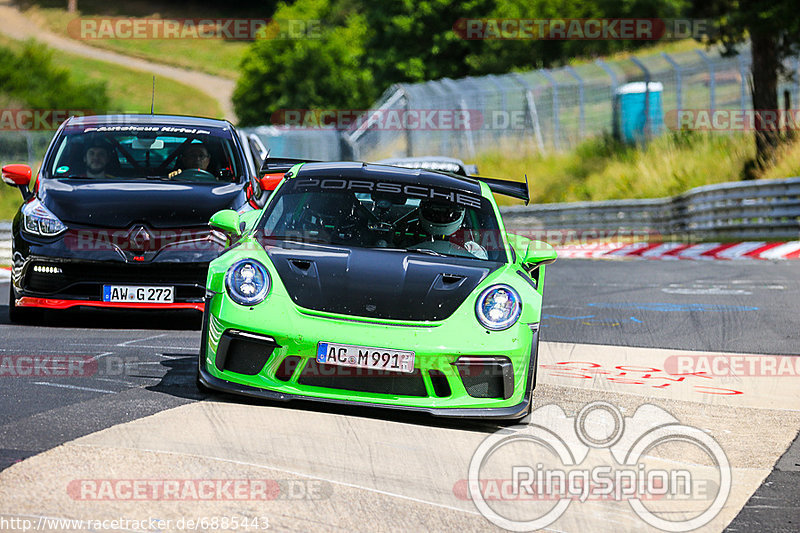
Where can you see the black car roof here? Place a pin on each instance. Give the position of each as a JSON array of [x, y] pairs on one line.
[[353, 170], [178, 120]]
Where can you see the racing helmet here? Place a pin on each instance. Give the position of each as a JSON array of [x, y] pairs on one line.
[[439, 218]]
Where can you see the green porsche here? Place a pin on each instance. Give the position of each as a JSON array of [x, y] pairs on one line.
[[380, 286]]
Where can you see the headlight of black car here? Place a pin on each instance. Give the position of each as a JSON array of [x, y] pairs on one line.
[[38, 220]]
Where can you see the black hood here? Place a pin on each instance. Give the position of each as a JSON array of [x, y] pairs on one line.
[[377, 283], [119, 204]]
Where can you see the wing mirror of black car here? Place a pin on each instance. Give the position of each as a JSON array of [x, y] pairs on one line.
[[18, 176], [270, 182], [226, 221]]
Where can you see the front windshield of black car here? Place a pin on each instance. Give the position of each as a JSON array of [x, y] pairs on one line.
[[152, 151], [366, 213]]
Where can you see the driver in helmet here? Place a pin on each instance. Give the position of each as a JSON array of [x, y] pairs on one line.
[[442, 222]]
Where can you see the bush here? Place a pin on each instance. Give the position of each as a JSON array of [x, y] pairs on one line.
[[312, 73], [30, 76]]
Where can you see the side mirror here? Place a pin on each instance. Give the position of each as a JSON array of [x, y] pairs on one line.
[[271, 181], [248, 219], [537, 254], [519, 244], [18, 176], [226, 221]]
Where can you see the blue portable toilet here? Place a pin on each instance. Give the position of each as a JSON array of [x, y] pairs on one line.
[[630, 101]]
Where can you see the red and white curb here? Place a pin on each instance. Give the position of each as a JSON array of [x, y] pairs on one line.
[[706, 251]]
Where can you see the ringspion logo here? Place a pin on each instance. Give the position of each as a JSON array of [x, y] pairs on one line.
[[599, 454]]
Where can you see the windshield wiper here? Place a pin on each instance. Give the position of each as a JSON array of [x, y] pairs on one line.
[[428, 251]]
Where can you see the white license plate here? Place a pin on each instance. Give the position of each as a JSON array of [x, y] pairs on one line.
[[365, 357], [139, 294]]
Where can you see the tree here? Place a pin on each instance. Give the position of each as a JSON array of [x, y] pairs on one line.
[[773, 28], [413, 41], [322, 71], [500, 56]]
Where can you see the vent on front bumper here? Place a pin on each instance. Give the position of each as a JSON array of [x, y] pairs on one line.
[[486, 377], [244, 353], [363, 380], [441, 387]]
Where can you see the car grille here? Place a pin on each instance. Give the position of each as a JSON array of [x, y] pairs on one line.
[[363, 380], [86, 280]]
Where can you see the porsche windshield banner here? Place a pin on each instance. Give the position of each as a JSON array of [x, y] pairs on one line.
[[386, 187]]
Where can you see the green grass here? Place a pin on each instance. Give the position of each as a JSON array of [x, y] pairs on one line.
[[213, 56], [602, 169], [130, 90]]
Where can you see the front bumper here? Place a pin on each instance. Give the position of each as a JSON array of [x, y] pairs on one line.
[[437, 348], [57, 303], [79, 283]]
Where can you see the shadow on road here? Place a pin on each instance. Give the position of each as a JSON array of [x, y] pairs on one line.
[[180, 379], [111, 319]]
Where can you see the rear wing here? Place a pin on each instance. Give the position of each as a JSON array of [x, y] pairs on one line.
[[514, 189], [456, 167], [273, 165]]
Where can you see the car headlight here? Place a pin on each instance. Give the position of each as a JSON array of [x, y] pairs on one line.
[[247, 282], [498, 307], [38, 220]]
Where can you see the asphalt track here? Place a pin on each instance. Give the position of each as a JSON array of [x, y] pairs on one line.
[[730, 329]]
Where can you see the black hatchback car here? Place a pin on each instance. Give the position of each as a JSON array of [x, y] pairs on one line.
[[118, 215]]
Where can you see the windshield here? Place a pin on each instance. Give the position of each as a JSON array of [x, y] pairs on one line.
[[152, 151], [384, 214]]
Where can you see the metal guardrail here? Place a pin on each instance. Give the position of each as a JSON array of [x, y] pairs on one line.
[[764, 209]]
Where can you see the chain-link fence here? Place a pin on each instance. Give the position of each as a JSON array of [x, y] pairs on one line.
[[541, 111], [551, 110], [536, 111]]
